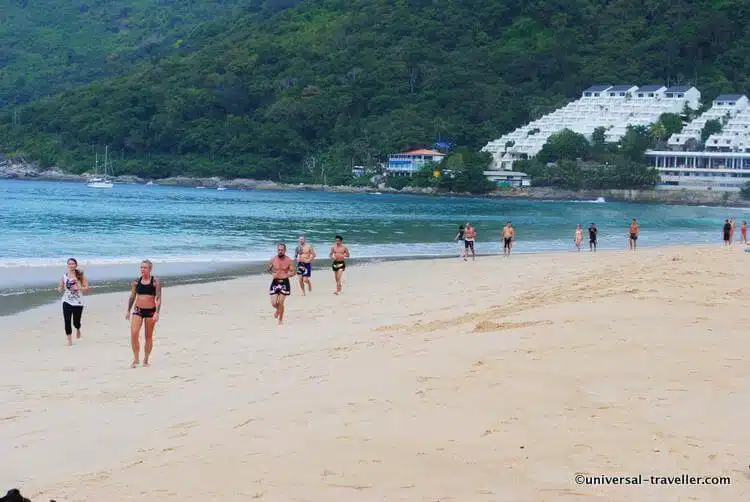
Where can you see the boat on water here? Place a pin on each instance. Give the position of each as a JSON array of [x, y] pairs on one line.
[[221, 188], [150, 183], [103, 181]]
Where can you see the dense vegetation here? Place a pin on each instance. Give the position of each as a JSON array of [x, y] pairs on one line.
[[305, 93], [51, 45]]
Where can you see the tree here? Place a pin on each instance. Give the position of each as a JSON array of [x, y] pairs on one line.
[[564, 145], [635, 142], [598, 138], [745, 190], [713, 126], [671, 122]]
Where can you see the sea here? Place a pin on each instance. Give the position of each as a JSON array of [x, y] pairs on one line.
[[203, 234]]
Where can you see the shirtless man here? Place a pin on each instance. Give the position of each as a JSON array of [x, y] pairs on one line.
[[339, 253], [281, 268], [634, 231], [304, 254], [509, 235], [470, 235]]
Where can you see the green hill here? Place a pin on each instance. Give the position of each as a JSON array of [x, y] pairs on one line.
[[51, 45], [337, 82]]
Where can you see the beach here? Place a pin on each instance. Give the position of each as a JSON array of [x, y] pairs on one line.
[[428, 380]]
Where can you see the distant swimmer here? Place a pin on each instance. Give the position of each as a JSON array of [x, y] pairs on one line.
[[509, 235], [282, 269], [634, 232], [593, 231], [145, 302], [72, 285], [304, 254], [339, 253], [470, 235], [578, 236], [727, 232], [743, 232], [460, 239]]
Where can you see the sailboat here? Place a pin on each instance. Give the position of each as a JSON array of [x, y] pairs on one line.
[[96, 181]]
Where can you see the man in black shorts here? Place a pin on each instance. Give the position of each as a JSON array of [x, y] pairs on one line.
[[727, 231], [592, 237], [281, 268]]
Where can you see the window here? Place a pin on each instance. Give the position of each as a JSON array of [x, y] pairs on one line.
[[650, 94], [640, 95], [596, 94], [680, 95], [669, 94]]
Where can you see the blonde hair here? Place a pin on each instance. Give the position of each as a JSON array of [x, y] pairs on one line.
[[148, 262]]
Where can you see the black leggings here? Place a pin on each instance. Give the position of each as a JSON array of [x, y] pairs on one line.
[[74, 312]]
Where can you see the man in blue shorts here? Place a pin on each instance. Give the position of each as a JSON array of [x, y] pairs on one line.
[[304, 254]]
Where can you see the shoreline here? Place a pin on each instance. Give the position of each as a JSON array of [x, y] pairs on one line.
[[28, 172], [46, 294]]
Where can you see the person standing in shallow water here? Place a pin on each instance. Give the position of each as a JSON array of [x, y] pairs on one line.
[[743, 232], [634, 232], [72, 285], [470, 236], [578, 237], [727, 232], [460, 239], [282, 269], [145, 302], [339, 253], [593, 231]]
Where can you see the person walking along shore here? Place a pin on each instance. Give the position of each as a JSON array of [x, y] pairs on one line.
[[145, 302], [72, 285]]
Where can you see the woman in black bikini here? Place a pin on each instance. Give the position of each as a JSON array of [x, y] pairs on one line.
[[145, 294]]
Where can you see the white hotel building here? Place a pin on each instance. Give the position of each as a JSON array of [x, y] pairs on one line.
[[613, 107], [724, 162]]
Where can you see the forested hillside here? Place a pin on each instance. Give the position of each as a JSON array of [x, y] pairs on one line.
[[47, 46], [337, 82]]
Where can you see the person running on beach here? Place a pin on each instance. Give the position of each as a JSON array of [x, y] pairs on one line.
[[460, 239], [281, 268], [634, 231], [339, 253], [145, 302], [509, 235], [469, 236], [593, 231], [578, 236], [731, 233], [727, 232], [72, 285], [304, 254], [743, 232]]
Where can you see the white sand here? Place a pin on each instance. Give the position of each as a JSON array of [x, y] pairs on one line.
[[426, 381]]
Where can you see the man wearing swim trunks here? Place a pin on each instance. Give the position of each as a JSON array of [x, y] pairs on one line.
[[634, 231], [304, 254], [281, 268], [339, 253], [469, 236], [509, 235]]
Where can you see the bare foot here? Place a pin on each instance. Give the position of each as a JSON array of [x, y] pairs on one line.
[[70, 341], [78, 334], [145, 363], [335, 292], [135, 364]]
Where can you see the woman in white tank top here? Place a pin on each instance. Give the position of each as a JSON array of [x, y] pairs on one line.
[[72, 285]]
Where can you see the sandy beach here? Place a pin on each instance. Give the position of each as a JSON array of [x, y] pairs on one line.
[[440, 380]]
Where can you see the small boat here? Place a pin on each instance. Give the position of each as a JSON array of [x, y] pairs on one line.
[[150, 183], [96, 181], [202, 187], [221, 188]]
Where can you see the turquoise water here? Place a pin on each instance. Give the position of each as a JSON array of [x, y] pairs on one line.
[[191, 229]]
